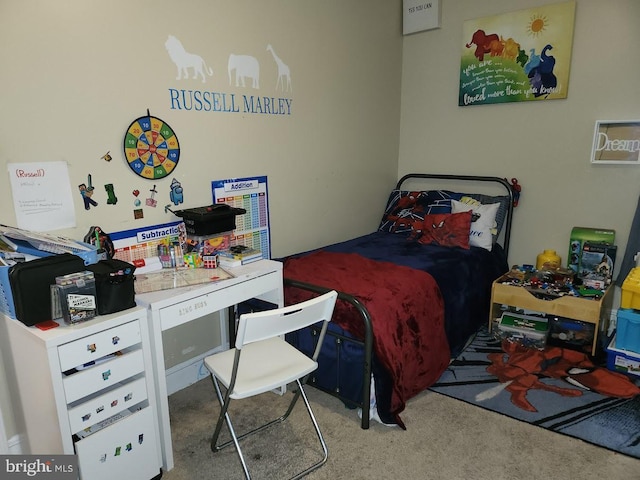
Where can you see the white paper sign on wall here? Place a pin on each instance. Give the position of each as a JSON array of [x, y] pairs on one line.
[[419, 15]]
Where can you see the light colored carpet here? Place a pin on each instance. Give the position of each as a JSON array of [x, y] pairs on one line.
[[445, 439]]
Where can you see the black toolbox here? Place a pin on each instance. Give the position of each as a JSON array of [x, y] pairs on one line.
[[209, 220]]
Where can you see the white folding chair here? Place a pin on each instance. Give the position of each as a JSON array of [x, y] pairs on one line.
[[263, 361]]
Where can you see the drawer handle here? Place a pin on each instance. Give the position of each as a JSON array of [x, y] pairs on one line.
[[128, 448], [106, 375], [99, 409], [140, 438], [115, 340], [86, 417], [117, 451], [91, 347], [114, 403], [128, 397]]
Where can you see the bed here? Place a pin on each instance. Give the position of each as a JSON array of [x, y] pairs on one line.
[[412, 293]]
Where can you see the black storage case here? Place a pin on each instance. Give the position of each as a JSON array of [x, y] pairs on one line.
[[115, 289], [31, 284], [211, 219]]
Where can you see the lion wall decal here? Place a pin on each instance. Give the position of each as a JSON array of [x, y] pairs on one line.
[[185, 60]]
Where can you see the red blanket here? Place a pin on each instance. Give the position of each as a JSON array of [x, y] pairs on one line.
[[406, 310]]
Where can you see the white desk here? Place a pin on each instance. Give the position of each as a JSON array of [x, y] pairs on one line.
[[171, 308]]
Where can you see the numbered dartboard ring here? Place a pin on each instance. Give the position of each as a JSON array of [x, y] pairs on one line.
[[151, 147]]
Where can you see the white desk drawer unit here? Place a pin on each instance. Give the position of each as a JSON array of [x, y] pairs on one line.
[[103, 375], [93, 394], [121, 450], [102, 407], [99, 345]]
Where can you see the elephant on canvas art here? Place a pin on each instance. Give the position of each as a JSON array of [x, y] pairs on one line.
[[483, 43], [244, 66]]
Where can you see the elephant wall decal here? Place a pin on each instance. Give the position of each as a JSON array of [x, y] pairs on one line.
[[244, 66], [483, 43]]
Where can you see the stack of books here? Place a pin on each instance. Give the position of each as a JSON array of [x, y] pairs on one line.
[[238, 255]]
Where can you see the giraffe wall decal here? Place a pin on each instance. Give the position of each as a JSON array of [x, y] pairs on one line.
[[283, 72]]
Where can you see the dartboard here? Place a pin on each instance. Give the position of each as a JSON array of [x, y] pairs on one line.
[[151, 147]]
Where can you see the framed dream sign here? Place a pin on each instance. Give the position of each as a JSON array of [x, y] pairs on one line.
[[616, 142]]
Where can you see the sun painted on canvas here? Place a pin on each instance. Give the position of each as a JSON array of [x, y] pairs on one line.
[[537, 25]]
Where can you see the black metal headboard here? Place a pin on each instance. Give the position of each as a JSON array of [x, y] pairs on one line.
[[475, 178]]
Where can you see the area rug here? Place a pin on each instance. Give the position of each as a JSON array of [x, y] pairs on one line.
[[535, 390]]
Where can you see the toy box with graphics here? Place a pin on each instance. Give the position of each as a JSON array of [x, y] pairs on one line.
[[582, 235], [596, 266]]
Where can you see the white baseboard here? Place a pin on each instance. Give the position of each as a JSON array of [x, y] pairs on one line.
[[15, 445]]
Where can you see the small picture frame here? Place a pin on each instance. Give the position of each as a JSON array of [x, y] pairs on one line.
[[616, 142], [420, 15]]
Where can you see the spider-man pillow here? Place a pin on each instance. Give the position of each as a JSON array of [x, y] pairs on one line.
[[446, 229], [406, 209]]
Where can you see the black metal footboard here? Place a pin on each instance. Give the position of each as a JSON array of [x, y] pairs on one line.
[[367, 344]]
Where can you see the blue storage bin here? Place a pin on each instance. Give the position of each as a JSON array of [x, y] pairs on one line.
[[6, 298], [628, 330], [623, 361]]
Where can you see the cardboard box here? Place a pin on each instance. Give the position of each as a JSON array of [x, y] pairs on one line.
[[596, 264], [580, 235], [208, 244]]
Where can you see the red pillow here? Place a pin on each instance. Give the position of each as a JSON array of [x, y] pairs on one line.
[[447, 229]]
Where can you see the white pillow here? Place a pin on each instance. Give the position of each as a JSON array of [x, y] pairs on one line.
[[482, 221]]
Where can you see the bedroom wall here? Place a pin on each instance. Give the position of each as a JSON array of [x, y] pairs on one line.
[[76, 73], [546, 145]]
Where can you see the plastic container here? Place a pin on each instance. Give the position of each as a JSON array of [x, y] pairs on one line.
[[622, 361], [630, 297], [523, 329], [628, 330], [548, 260]]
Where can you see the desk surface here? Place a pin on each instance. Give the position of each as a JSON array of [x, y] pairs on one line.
[[164, 298]]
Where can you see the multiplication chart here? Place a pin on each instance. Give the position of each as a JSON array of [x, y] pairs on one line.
[[252, 228]]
